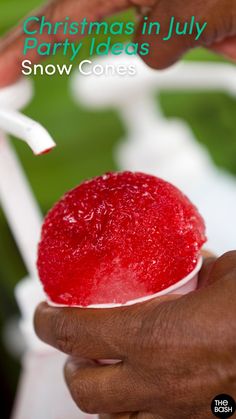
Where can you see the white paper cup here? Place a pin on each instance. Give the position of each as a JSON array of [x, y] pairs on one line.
[[184, 286]]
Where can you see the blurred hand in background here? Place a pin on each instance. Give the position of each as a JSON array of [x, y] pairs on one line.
[[220, 34]]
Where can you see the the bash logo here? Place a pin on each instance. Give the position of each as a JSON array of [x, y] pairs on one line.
[[223, 406]]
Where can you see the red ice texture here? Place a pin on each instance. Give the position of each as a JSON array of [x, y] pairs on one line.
[[116, 238]]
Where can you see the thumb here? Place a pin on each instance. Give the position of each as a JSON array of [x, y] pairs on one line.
[[227, 48], [165, 52], [11, 46]]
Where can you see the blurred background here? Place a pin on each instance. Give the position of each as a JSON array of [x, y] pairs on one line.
[[85, 143]]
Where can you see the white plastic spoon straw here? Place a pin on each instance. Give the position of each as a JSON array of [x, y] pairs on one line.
[[16, 197], [27, 130], [19, 206]]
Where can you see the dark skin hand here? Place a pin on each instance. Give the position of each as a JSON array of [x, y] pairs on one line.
[[177, 353], [220, 34]]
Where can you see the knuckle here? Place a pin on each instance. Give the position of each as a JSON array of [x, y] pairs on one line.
[[64, 345], [90, 397], [63, 333], [81, 393], [87, 406]]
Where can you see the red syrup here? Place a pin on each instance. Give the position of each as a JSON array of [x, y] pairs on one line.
[[116, 238]]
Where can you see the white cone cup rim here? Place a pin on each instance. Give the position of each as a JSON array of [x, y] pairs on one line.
[[170, 290]]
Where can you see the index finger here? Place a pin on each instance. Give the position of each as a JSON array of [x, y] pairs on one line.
[[94, 333], [87, 333], [11, 46]]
